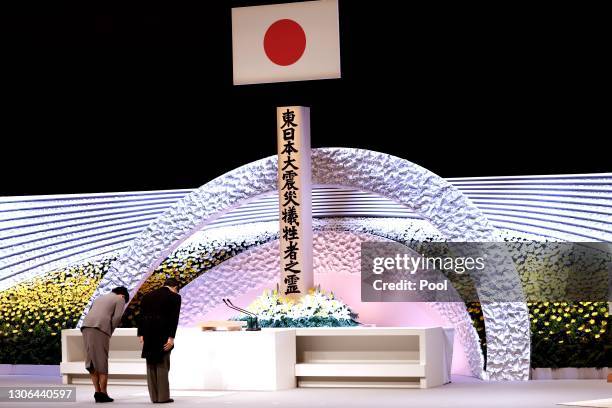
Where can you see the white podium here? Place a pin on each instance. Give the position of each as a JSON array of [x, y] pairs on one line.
[[277, 359], [233, 360]]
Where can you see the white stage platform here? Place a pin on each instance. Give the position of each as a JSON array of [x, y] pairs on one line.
[[462, 392]]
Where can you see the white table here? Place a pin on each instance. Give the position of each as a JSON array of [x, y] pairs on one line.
[[276, 359]]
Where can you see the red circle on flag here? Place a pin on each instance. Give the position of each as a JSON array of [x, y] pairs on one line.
[[285, 42]]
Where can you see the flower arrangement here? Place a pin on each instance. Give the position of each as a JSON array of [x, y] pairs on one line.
[[316, 309], [570, 334], [563, 334], [33, 312]]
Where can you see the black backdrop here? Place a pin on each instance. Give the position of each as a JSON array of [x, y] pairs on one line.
[[138, 95]]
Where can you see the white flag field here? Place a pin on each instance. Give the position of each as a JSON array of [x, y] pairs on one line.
[[286, 42]]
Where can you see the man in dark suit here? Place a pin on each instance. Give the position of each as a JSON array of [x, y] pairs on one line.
[[159, 316]]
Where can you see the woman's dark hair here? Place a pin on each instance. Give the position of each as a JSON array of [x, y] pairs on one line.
[[122, 290]]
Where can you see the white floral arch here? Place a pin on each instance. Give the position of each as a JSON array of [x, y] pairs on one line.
[[448, 210]]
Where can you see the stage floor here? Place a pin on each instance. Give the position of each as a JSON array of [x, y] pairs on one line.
[[462, 392]]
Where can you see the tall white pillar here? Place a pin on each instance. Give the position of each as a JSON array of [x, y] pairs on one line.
[[295, 200]]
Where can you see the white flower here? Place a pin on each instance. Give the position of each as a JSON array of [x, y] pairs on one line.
[[270, 306]]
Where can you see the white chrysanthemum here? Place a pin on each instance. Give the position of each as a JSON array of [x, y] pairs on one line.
[[271, 306]]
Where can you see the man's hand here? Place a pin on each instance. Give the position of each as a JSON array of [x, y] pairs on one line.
[[169, 344], [141, 339]]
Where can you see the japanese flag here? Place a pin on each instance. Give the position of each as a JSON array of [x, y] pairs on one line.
[[286, 42]]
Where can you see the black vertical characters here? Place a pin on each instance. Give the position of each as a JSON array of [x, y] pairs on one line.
[[289, 213]]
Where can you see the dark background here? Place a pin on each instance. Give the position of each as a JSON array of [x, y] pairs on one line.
[[100, 97]]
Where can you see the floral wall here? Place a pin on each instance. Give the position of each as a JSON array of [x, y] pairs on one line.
[[33, 313]]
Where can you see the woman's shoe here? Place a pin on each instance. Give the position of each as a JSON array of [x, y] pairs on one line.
[[97, 396], [104, 398]]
